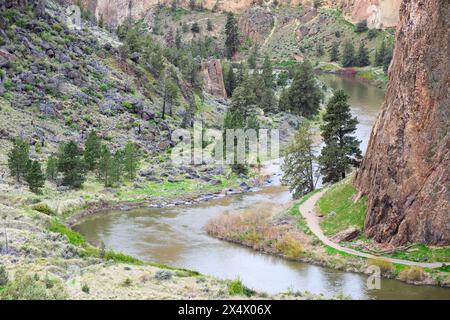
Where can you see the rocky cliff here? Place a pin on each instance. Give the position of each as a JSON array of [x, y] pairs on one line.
[[379, 13], [212, 76], [405, 172]]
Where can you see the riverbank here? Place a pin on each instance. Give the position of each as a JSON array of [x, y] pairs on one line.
[[288, 235]]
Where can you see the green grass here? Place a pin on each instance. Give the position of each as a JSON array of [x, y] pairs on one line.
[[423, 253], [74, 237], [236, 287], [347, 213]]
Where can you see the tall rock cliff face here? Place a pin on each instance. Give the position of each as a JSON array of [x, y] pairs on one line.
[[212, 75], [405, 172], [379, 13]]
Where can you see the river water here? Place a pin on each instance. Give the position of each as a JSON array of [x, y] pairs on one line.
[[176, 236]]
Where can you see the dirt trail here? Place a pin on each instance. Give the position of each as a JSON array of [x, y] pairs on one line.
[[312, 221]]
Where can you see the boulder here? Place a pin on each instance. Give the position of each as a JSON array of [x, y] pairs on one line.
[[346, 235]]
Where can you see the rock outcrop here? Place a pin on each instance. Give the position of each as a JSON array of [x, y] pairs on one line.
[[405, 172], [377, 12], [212, 75], [256, 23]]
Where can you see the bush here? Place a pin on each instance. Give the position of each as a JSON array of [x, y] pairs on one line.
[[361, 26], [385, 266], [127, 282], [43, 208], [290, 247], [3, 276], [85, 288], [163, 275], [74, 237], [237, 288], [27, 287], [412, 274]]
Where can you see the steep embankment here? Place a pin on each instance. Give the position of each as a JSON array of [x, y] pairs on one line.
[[378, 13], [406, 169]]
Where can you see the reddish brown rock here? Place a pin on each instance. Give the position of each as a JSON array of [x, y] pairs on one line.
[[256, 24], [405, 172], [212, 75]]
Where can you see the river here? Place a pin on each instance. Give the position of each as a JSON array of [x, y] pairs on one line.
[[176, 236]]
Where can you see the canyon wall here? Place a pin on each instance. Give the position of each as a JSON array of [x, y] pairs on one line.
[[405, 172], [378, 13]]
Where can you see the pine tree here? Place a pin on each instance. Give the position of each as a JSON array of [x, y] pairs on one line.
[[284, 103], [267, 101], [362, 57], [299, 162], [380, 54], [267, 73], [131, 160], [348, 55], [304, 94], [230, 81], [92, 150], [18, 159], [253, 58], [341, 148], [232, 41], [105, 166], [195, 28], [34, 176], [334, 52], [117, 169], [52, 168], [71, 165]]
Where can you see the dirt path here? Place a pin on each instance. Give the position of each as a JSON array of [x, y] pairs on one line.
[[312, 221]]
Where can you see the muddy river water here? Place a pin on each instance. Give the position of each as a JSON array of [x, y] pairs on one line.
[[176, 236]]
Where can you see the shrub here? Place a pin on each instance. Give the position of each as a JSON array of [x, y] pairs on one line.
[[127, 282], [290, 247], [7, 84], [74, 237], [3, 275], [412, 274], [236, 287], [43, 208], [27, 287], [361, 26], [385, 266], [85, 288], [163, 275]]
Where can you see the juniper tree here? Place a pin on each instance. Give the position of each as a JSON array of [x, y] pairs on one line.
[[267, 73], [299, 163], [34, 176], [284, 103], [348, 55], [232, 41], [362, 57], [304, 94], [18, 159], [71, 165], [341, 148], [92, 150], [334, 52], [52, 168], [230, 80]]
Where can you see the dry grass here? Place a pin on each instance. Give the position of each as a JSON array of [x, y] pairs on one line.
[[258, 228], [412, 274], [385, 266]]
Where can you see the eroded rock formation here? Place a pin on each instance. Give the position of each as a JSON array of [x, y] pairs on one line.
[[256, 23], [405, 172], [377, 12], [212, 75]]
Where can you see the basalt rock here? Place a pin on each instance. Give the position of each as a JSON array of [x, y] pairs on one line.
[[256, 23], [405, 172], [212, 74]]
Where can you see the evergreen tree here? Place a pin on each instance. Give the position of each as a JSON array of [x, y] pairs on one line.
[[195, 28], [230, 80], [334, 52], [348, 55], [267, 101], [341, 148], [92, 150], [71, 165], [34, 176], [52, 168], [299, 161], [209, 25], [362, 57], [387, 58], [178, 40], [361, 26], [243, 100], [380, 54], [267, 73], [105, 166], [284, 103], [117, 169], [252, 59], [131, 160], [304, 94], [232, 41], [18, 159]]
